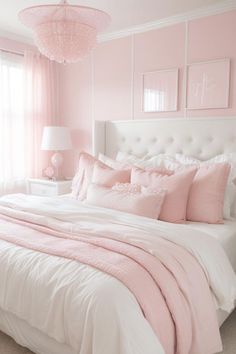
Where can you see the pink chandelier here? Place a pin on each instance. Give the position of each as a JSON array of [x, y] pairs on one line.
[[64, 33]]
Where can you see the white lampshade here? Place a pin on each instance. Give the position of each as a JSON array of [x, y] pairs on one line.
[[56, 139]]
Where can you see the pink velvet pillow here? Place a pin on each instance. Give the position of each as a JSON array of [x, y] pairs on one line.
[[107, 176], [144, 203], [206, 197], [177, 188]]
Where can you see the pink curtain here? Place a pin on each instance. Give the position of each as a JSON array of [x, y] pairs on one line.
[[28, 102], [40, 79], [12, 162]]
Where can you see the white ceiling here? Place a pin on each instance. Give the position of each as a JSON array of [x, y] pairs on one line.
[[124, 13]]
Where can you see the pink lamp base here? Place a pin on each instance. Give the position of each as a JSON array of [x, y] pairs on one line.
[[57, 161]]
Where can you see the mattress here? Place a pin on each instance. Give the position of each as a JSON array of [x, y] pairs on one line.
[[224, 233]]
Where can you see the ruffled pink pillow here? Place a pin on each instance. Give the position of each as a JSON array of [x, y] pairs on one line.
[[177, 188], [143, 203], [206, 197]]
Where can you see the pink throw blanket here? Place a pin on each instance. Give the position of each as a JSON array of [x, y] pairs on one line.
[[172, 290]]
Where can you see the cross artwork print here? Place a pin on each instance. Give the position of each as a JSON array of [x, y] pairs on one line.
[[208, 85]]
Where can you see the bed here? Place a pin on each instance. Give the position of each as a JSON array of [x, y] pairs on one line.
[[27, 314]]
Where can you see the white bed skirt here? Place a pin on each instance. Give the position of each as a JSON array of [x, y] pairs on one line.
[[30, 337], [40, 343]]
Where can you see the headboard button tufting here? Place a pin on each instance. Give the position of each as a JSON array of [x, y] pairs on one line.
[[201, 138]]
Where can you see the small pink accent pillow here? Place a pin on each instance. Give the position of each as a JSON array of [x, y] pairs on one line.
[[177, 188], [107, 177], [206, 197], [143, 204]]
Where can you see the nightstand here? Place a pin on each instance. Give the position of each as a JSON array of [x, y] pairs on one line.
[[48, 188]]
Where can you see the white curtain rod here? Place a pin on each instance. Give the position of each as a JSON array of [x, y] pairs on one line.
[[11, 52]]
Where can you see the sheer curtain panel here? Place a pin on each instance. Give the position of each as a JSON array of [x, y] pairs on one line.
[[12, 134], [27, 103], [40, 106]]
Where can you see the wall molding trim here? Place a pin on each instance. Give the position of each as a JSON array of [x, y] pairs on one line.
[[224, 6]]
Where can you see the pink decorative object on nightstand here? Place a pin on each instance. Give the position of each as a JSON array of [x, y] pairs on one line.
[[48, 172]]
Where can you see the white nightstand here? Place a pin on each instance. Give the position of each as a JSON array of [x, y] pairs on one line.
[[48, 188]]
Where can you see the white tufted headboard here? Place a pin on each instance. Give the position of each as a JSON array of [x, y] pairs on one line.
[[202, 138]]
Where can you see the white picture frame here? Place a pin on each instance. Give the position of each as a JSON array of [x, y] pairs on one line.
[[160, 91], [208, 84]]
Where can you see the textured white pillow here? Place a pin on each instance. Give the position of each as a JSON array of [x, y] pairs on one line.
[[230, 194], [124, 157], [159, 161], [111, 162]]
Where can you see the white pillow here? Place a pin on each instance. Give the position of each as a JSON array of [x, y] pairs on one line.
[[131, 159], [159, 161], [230, 194]]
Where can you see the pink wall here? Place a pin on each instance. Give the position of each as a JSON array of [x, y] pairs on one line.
[[75, 105], [107, 84], [214, 38], [9, 44], [113, 74], [157, 50]]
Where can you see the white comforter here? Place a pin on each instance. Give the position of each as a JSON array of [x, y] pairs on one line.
[[92, 312]]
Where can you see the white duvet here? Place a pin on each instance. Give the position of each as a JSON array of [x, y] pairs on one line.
[[92, 312]]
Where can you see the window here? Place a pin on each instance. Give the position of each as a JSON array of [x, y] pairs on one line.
[[28, 98], [12, 128]]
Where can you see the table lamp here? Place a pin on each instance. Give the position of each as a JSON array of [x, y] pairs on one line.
[[56, 139]]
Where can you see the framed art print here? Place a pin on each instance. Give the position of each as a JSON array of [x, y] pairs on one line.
[[160, 91], [208, 84]]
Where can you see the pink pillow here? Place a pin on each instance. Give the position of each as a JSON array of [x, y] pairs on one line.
[[143, 204], [106, 176], [206, 198], [84, 175], [177, 188]]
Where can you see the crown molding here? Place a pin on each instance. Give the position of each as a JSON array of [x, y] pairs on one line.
[[224, 6]]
